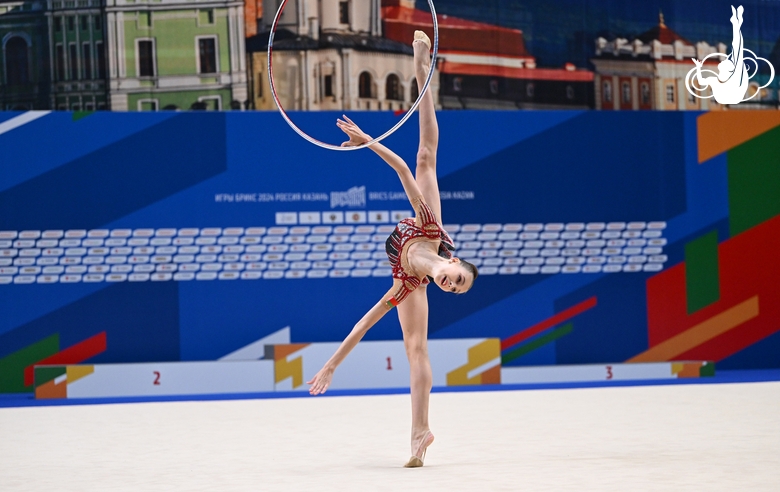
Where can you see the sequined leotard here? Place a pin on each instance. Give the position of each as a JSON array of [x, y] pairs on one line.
[[407, 232]]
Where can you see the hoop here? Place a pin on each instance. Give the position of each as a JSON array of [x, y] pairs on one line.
[[377, 139]]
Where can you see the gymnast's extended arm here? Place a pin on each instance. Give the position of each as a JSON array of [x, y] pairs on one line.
[[320, 382], [358, 137]]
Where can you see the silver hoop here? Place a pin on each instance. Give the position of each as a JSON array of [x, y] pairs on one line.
[[377, 139]]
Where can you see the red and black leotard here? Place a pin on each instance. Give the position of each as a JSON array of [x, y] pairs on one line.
[[407, 232]]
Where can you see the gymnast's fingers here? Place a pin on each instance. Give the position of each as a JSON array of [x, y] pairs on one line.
[[347, 118]]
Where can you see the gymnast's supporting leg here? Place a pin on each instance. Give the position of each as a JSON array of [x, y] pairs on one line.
[[413, 312], [413, 315]]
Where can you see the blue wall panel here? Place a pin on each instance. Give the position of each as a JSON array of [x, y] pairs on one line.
[[168, 170]]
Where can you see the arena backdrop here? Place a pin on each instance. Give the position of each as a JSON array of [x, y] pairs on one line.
[[600, 236]]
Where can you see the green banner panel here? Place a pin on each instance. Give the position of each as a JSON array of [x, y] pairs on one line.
[[12, 366], [702, 282], [754, 182], [45, 374]]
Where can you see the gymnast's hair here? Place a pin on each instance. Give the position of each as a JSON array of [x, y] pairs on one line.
[[472, 268]]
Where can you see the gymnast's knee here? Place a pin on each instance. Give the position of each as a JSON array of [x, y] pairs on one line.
[[426, 158], [416, 352]]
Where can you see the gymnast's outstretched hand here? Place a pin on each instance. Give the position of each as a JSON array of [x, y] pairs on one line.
[[321, 381], [355, 134]]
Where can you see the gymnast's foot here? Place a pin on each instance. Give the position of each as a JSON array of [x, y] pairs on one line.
[[419, 447], [422, 54]]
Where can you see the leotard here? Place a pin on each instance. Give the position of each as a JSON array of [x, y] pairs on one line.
[[407, 232]]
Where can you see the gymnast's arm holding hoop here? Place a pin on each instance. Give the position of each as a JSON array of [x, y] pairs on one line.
[[321, 381]]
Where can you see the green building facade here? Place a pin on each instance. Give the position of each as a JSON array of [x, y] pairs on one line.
[[125, 55], [176, 54]]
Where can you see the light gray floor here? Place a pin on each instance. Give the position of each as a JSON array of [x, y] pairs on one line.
[[686, 437]]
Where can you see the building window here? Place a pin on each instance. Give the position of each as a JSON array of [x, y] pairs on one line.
[[626, 92], [17, 64], [393, 89], [530, 89], [607, 91], [84, 22], [494, 87], [414, 91], [670, 93], [98, 22], [645, 89], [71, 23], [207, 55], [344, 12], [691, 98], [76, 106], [145, 56], [60, 62], [260, 79], [73, 54], [101, 60], [147, 105], [457, 84], [86, 56], [365, 85], [89, 106], [57, 24], [569, 93], [327, 83]]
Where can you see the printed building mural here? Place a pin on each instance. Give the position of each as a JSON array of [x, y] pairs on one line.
[[649, 71], [331, 55], [25, 77], [349, 54], [485, 66], [176, 54]]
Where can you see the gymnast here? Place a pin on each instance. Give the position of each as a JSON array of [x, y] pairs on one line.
[[420, 251]]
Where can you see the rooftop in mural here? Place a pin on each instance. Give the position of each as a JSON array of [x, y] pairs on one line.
[[455, 34], [662, 33]]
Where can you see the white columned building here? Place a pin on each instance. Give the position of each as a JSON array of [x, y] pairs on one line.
[[330, 55]]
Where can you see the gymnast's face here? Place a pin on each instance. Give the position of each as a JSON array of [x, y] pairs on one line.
[[453, 277]]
